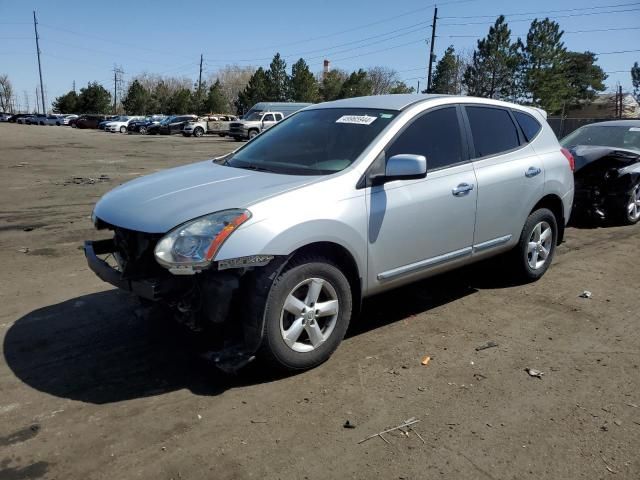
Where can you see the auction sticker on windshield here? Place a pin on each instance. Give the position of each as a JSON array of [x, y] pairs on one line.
[[356, 119]]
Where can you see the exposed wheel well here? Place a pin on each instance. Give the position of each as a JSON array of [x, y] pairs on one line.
[[343, 259], [553, 203]]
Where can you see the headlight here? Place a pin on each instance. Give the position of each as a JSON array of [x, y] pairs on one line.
[[193, 245]]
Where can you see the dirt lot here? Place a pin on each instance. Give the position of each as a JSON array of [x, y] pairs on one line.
[[90, 391]]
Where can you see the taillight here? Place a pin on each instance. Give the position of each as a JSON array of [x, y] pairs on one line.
[[569, 157]]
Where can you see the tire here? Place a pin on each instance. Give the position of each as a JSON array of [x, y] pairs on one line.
[[630, 211], [253, 134], [238, 139], [198, 132], [221, 135], [142, 130], [327, 330], [57, 124], [530, 262]]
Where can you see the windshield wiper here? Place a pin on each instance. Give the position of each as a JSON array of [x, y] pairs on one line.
[[256, 168]]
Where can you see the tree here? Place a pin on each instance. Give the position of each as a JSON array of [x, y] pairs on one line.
[[446, 78], [583, 77], [401, 87], [277, 80], [540, 76], [357, 85], [255, 91], [67, 103], [332, 85], [215, 101], [136, 100], [383, 79], [180, 102], [6, 94], [635, 80], [94, 98], [304, 87], [233, 80], [492, 69]]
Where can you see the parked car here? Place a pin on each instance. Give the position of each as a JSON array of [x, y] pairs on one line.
[[110, 118], [607, 174], [262, 116], [67, 119], [38, 119], [54, 120], [17, 118], [215, 124], [140, 126], [171, 126], [277, 243], [89, 121], [120, 125], [24, 118], [4, 116]]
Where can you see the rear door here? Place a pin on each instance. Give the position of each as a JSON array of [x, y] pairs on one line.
[[510, 176]]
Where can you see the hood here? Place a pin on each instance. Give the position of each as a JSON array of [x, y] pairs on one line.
[[587, 154], [159, 202]]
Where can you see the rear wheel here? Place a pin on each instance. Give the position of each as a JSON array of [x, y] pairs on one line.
[[534, 252], [143, 130], [306, 314], [631, 213]]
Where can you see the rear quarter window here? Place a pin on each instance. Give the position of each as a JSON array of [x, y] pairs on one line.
[[493, 130], [529, 125]]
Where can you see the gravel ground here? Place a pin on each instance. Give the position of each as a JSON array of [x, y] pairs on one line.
[[90, 391]]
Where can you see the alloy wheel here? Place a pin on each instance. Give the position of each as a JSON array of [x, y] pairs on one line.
[[539, 246], [633, 208], [309, 315]]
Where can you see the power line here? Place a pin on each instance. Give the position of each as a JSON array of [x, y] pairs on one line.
[[569, 32], [546, 12]]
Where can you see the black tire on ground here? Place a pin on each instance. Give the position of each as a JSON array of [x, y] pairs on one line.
[[274, 350], [253, 133], [143, 130], [123, 129], [238, 139], [520, 254], [198, 132], [221, 135], [626, 216]]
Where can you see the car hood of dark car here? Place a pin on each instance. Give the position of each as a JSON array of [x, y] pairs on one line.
[[158, 202], [587, 154]]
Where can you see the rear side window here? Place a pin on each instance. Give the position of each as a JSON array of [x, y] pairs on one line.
[[493, 131], [436, 135], [529, 125]]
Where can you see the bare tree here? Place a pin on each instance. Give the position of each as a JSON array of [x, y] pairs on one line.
[[383, 79], [6, 94], [233, 79]]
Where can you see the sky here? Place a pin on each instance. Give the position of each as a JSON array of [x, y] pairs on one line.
[[81, 41]]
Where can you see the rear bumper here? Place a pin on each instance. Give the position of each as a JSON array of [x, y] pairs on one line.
[[151, 289]]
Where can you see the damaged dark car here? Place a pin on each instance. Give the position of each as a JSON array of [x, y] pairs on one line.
[[607, 171]]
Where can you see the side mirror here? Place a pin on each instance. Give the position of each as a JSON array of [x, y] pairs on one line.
[[405, 167]]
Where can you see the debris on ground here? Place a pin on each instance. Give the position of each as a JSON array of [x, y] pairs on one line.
[[87, 180], [27, 229], [484, 346], [533, 372], [586, 294], [348, 424], [632, 405], [425, 360], [408, 424], [24, 250]]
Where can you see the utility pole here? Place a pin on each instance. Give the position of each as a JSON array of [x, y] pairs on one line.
[[620, 97], [38, 103], [115, 88], [74, 85], [418, 90], [433, 41], [35, 27], [199, 87]]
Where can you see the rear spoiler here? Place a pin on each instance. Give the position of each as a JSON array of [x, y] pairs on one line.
[[540, 111]]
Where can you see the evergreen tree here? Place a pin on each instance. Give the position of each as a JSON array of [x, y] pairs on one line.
[[583, 77], [495, 60], [540, 77], [94, 98], [137, 99], [304, 87], [67, 103], [160, 101], [215, 101], [180, 102], [401, 87], [277, 80], [635, 80], [357, 85], [255, 91], [445, 77], [332, 85]]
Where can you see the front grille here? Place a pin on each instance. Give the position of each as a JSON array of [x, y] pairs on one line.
[[135, 253]]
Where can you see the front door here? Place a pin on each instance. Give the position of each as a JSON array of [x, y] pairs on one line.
[[417, 226]]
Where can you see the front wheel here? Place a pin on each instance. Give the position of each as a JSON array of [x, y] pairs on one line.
[[534, 252], [631, 213], [143, 130], [306, 314], [198, 132], [253, 134], [123, 129]]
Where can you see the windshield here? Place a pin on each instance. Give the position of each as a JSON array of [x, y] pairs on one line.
[[253, 116], [167, 120], [313, 142], [605, 136]]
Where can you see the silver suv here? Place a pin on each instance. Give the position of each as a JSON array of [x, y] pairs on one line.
[[273, 247]]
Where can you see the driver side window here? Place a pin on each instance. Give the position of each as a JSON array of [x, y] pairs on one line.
[[436, 135], [268, 118]]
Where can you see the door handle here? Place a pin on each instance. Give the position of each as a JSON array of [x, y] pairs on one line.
[[532, 172], [462, 189]]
